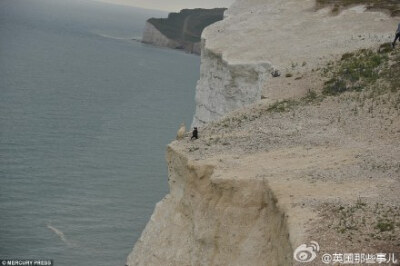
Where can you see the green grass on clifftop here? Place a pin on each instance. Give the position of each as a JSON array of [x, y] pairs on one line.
[[377, 71], [188, 24], [372, 72]]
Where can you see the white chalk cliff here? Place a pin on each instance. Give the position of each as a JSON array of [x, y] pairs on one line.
[[151, 35], [244, 193], [209, 220]]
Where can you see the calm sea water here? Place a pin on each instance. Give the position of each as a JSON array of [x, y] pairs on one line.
[[85, 116]]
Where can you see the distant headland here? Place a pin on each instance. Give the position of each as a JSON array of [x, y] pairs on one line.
[[181, 30]]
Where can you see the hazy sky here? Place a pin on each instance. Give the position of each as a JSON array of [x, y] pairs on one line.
[[172, 5]]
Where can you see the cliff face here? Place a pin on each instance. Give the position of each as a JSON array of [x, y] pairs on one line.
[[212, 219], [151, 35], [225, 87]]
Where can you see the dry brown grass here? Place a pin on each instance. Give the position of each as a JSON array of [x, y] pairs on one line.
[[391, 6]]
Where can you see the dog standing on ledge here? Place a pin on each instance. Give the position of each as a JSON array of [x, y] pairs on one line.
[[195, 134]]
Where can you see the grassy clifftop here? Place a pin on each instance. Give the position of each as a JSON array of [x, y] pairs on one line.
[[187, 25]]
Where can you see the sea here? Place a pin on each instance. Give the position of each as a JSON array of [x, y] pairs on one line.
[[86, 114]]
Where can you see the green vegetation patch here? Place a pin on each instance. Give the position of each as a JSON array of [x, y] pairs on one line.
[[385, 225], [368, 74], [364, 222], [392, 6], [287, 105], [282, 106], [188, 24], [359, 70], [392, 73]]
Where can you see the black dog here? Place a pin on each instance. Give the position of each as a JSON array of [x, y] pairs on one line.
[[195, 134]]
